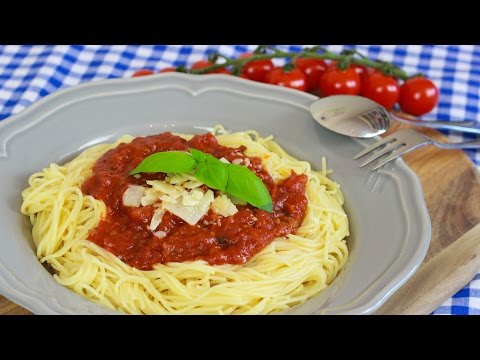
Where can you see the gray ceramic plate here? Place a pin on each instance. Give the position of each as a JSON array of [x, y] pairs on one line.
[[390, 225]]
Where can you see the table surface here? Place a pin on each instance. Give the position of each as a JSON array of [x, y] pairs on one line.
[[28, 73]]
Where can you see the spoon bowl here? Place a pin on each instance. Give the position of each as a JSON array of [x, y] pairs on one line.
[[349, 115]]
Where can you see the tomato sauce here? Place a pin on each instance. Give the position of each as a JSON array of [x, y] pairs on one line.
[[124, 231]]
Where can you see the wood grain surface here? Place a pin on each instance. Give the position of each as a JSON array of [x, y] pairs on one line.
[[451, 185]]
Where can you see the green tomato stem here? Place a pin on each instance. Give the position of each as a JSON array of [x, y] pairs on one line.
[[385, 67]]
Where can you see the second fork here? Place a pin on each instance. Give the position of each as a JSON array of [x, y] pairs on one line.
[[402, 142]]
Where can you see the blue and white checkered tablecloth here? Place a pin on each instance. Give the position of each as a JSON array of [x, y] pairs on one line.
[[28, 73]]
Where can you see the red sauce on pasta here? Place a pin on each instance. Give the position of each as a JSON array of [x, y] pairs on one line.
[[124, 231]]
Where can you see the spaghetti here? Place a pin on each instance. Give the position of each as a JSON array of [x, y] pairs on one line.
[[285, 273]]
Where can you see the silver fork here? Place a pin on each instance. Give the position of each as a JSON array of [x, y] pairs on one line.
[[404, 141]]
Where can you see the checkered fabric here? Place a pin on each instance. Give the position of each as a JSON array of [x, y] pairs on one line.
[[28, 73]]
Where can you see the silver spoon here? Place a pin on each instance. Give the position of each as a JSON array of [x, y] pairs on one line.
[[356, 116], [349, 115]]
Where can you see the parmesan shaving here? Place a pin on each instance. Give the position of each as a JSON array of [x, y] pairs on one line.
[[133, 195]]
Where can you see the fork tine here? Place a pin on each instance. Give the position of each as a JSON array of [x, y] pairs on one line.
[[384, 141], [388, 159], [403, 151], [389, 148]]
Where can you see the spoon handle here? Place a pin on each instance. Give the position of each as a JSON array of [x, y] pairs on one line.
[[463, 126]]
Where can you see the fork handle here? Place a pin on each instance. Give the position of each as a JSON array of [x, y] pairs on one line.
[[463, 126], [474, 144]]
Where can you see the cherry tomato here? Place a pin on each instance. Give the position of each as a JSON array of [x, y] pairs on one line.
[[381, 88], [313, 70], [142, 72], [205, 63], [418, 96], [359, 69], [256, 70], [340, 82], [168, 69], [294, 79]]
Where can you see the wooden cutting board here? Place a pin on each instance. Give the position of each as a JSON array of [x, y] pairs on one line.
[[451, 185]]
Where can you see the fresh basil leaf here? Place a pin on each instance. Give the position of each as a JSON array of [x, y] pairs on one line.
[[212, 172], [236, 180], [166, 162], [198, 155], [244, 184]]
